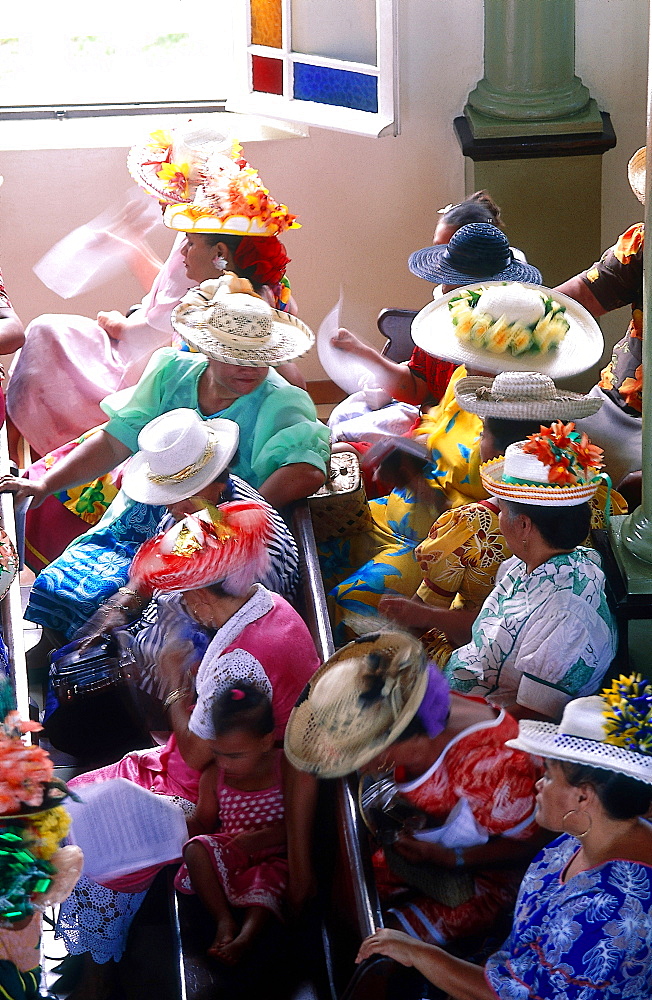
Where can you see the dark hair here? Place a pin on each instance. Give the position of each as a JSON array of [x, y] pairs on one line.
[[415, 727], [560, 527], [621, 797], [242, 706], [506, 432], [232, 241], [478, 207]]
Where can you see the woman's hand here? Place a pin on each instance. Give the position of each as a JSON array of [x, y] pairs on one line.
[[392, 944], [407, 611], [344, 340], [423, 851], [113, 323], [23, 488]]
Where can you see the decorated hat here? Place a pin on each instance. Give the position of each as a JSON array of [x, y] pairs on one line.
[[361, 700], [509, 326], [231, 199], [612, 730], [636, 174], [227, 321], [477, 252], [170, 163], [226, 544], [522, 396], [556, 467], [178, 455]]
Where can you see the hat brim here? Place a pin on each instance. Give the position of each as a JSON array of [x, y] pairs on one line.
[[309, 746], [429, 264], [543, 739], [289, 339], [143, 171], [179, 218], [545, 495], [137, 484], [433, 331], [563, 406], [636, 173]]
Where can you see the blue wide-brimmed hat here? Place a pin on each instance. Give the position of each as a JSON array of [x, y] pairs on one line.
[[478, 252]]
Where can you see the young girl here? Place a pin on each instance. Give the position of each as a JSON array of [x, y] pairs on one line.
[[243, 865]]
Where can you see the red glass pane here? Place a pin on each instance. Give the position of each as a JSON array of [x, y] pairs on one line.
[[267, 75]]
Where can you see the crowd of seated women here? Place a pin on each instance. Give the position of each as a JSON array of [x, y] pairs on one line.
[[163, 527]]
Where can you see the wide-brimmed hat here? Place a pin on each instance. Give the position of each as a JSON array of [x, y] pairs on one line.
[[636, 174], [178, 455], [522, 396], [612, 731], [477, 252], [433, 329], [558, 467], [170, 163], [227, 321], [226, 544], [231, 199], [358, 703]]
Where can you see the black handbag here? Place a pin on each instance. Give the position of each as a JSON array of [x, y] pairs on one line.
[[92, 709]]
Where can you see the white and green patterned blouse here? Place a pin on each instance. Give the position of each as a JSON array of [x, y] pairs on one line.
[[541, 638]]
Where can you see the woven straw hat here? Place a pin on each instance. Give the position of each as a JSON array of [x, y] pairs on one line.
[[170, 164], [636, 174], [178, 455], [582, 737], [477, 252], [337, 725], [433, 331], [522, 396], [227, 321]]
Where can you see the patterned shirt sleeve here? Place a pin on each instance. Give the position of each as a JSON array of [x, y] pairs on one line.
[[433, 371], [617, 278]]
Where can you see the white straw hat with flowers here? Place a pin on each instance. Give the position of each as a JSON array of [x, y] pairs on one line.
[[231, 199], [225, 320], [509, 326], [170, 163], [612, 731], [636, 173], [178, 455], [522, 396], [558, 467]]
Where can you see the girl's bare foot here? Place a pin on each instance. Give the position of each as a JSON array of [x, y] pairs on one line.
[[232, 951], [225, 933]]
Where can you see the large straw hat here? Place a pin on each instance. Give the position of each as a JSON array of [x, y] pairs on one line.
[[636, 173], [477, 252], [357, 704], [612, 731], [555, 468], [170, 163], [178, 455], [227, 321], [522, 396], [433, 330]]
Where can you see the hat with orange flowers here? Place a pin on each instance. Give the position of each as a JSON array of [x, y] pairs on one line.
[[558, 466], [170, 163]]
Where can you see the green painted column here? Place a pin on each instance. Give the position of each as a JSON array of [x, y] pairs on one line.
[[529, 84]]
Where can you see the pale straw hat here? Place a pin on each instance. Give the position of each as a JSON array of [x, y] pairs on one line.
[[178, 455], [227, 321], [599, 731], [522, 396], [636, 174], [357, 704]]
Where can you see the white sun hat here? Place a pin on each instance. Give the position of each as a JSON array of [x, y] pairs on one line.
[[433, 330], [178, 455]]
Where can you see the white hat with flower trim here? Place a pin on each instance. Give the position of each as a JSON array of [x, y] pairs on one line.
[[612, 731], [556, 467], [170, 163]]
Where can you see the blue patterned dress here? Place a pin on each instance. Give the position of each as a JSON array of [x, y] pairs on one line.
[[589, 938]]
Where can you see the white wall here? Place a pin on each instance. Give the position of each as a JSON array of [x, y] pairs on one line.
[[365, 204]]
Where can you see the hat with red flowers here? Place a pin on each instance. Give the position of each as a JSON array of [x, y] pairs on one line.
[[558, 466]]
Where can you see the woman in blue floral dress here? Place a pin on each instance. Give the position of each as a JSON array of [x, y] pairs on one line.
[[583, 921]]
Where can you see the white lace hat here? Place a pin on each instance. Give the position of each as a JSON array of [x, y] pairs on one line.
[[522, 396], [598, 731], [178, 455], [227, 321]]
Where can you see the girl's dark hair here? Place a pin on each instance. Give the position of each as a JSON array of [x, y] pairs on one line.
[[478, 207], [233, 242], [621, 797], [415, 727], [242, 706], [560, 527], [506, 432]]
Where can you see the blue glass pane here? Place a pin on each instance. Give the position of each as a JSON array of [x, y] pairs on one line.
[[335, 86]]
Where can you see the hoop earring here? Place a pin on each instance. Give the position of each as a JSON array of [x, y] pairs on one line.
[[580, 836]]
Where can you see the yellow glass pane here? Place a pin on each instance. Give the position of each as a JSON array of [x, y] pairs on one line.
[[266, 23]]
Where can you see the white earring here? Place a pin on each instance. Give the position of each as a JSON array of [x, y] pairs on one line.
[[220, 263]]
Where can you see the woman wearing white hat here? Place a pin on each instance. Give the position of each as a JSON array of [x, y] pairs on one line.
[[583, 922]]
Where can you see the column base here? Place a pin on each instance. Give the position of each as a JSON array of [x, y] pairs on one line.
[[487, 127]]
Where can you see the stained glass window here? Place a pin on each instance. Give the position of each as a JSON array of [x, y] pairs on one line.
[[323, 62]]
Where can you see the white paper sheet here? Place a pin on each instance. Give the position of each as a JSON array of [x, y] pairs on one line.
[[343, 368]]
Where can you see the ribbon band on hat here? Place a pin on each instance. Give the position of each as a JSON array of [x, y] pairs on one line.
[[190, 470]]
